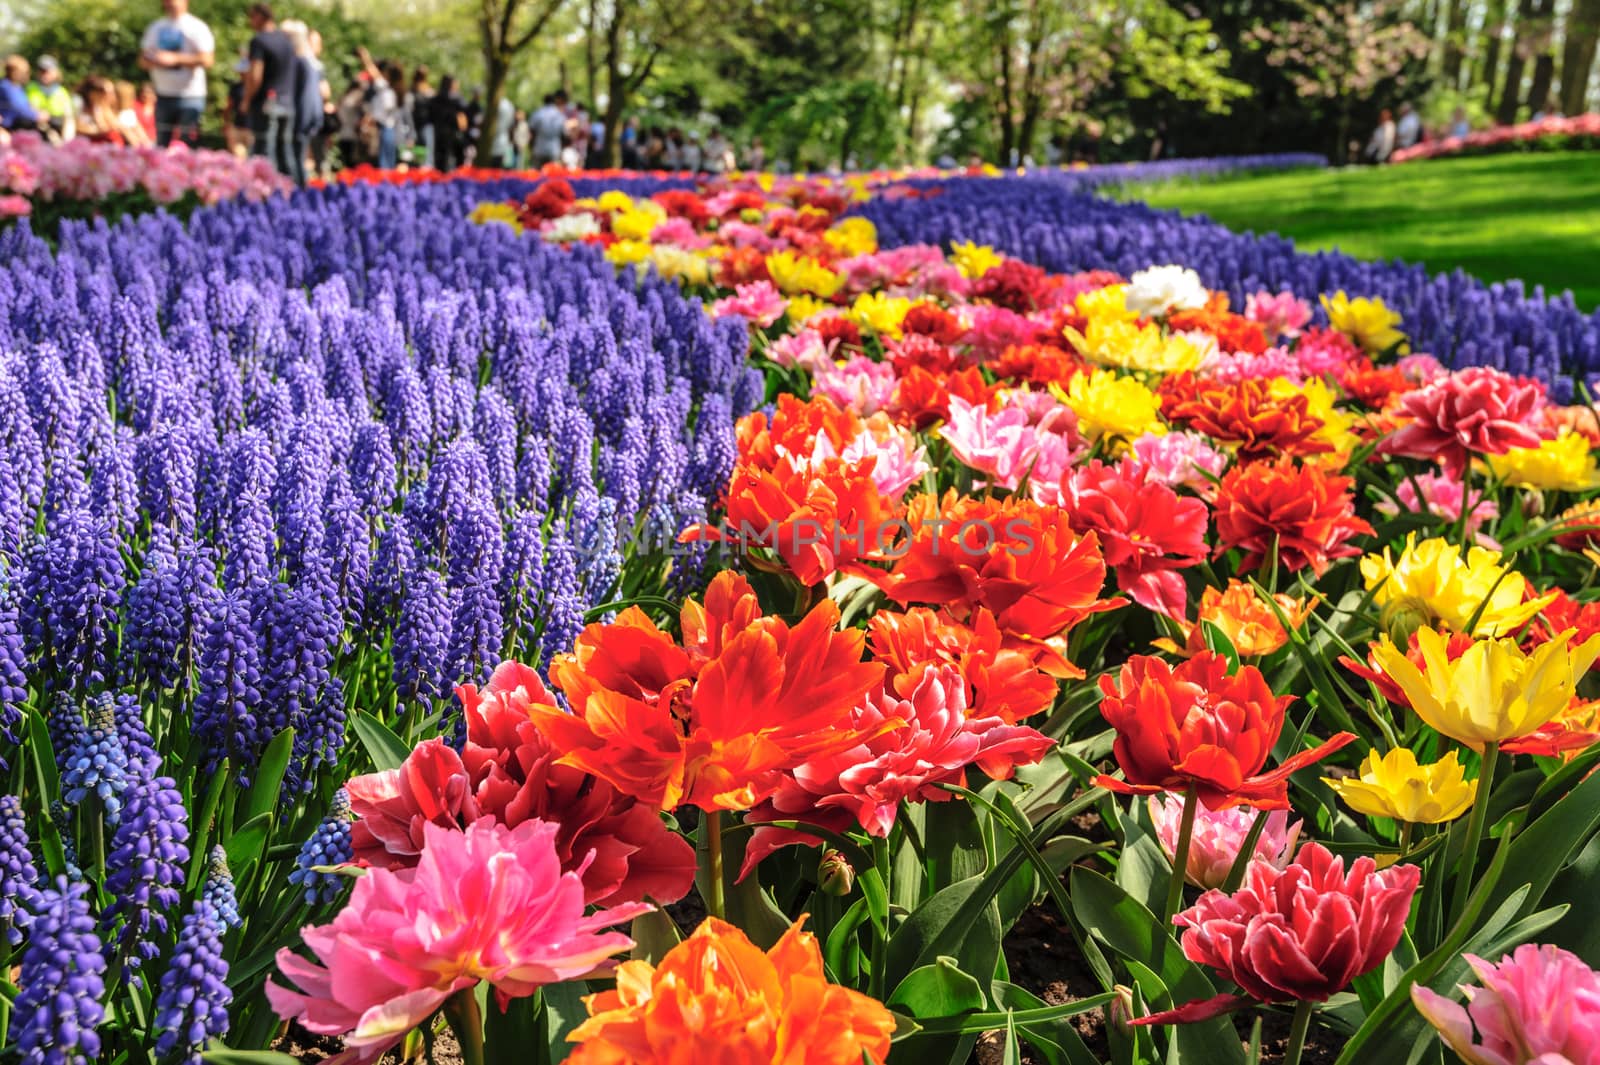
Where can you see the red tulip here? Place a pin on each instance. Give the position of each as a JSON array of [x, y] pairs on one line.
[[1476, 411], [1194, 726], [1301, 934]]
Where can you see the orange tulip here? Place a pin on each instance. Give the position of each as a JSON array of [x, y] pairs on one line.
[[1248, 621], [717, 997], [1013, 557], [1001, 681], [713, 723]]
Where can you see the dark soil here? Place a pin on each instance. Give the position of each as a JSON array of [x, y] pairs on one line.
[[309, 1048]]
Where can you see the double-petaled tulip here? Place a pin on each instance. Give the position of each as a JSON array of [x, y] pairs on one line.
[[507, 773], [1002, 681], [1299, 934], [1539, 1005], [1251, 624], [1432, 582], [1476, 411], [1395, 786], [716, 721], [490, 903], [1195, 726], [1219, 836], [1297, 515], [716, 997], [1493, 692]]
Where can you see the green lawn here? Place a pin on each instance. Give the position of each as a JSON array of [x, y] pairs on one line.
[[1536, 216]]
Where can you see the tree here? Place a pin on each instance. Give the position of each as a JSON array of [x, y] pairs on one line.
[[1494, 31], [1516, 65], [505, 30], [1343, 51], [1577, 54], [1541, 44]]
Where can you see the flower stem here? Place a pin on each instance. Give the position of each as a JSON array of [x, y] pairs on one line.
[[1297, 1032], [466, 1021], [715, 904], [1406, 828], [1480, 813], [1180, 856]]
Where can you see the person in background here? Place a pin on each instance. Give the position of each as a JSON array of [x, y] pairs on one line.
[[1408, 130], [474, 115], [350, 109], [1459, 125], [547, 126], [383, 106], [521, 140], [97, 118], [51, 99], [145, 107], [418, 107], [756, 157], [269, 89], [594, 156], [133, 132], [1381, 144], [672, 150], [448, 118], [718, 157], [501, 152], [236, 133], [16, 113], [176, 50], [328, 126], [629, 136], [694, 156], [1547, 109], [307, 98]]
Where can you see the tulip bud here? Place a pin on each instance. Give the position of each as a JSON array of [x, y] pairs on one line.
[[1532, 504], [835, 875], [1121, 1009], [1401, 618]]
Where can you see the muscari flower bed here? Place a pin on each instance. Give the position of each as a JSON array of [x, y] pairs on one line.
[[615, 625]]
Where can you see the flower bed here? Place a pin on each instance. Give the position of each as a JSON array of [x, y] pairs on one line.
[[82, 180], [868, 592], [1553, 134]]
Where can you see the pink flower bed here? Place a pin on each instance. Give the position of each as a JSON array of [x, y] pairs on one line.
[[1505, 138], [33, 173]]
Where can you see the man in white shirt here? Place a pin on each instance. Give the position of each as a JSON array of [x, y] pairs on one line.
[[176, 50], [1408, 130], [549, 123]]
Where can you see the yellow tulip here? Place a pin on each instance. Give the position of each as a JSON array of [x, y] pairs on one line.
[[853, 236], [880, 313], [794, 274], [1431, 582], [974, 260], [1369, 322], [1395, 786], [1112, 342], [1109, 302], [1492, 693], [1564, 463], [504, 213], [1109, 405]]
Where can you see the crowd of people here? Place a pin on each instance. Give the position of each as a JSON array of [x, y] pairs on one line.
[[1396, 133], [280, 104]]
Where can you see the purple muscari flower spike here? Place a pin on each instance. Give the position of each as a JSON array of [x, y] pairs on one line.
[[58, 1009], [393, 561], [228, 701], [563, 603], [61, 817], [408, 415], [534, 472], [113, 483], [166, 462], [477, 634], [346, 548], [321, 736], [13, 679], [522, 577], [19, 880], [131, 729], [475, 546], [593, 532], [372, 468], [246, 529], [191, 1008], [218, 889], [298, 632], [12, 509], [422, 636], [621, 465], [71, 585], [715, 448], [155, 626], [97, 763], [147, 863], [494, 425], [329, 844]]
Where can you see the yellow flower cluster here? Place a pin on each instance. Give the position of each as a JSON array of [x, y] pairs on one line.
[[1432, 582], [1564, 463], [880, 313], [974, 260], [1395, 786], [1108, 404], [1113, 342], [794, 274], [503, 213], [1369, 322], [853, 236]]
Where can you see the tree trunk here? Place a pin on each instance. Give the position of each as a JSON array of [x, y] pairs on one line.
[[1494, 27], [1577, 55], [1542, 42], [588, 52], [496, 67], [1516, 64], [1454, 32]]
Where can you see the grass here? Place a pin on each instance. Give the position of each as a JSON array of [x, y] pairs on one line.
[[1534, 216]]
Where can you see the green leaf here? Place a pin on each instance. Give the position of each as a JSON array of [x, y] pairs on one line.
[[938, 990], [244, 847], [386, 750], [1218, 642], [1124, 924], [200, 849], [1055, 1040], [842, 951], [654, 934], [221, 1055], [268, 784], [43, 761], [1543, 848], [961, 922], [508, 1035]]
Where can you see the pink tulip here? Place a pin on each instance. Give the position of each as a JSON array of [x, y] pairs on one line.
[[865, 785], [1282, 315], [1443, 496], [1218, 836], [1540, 1005], [1472, 412], [757, 303], [898, 460], [490, 903], [1016, 442], [1181, 458], [861, 384]]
